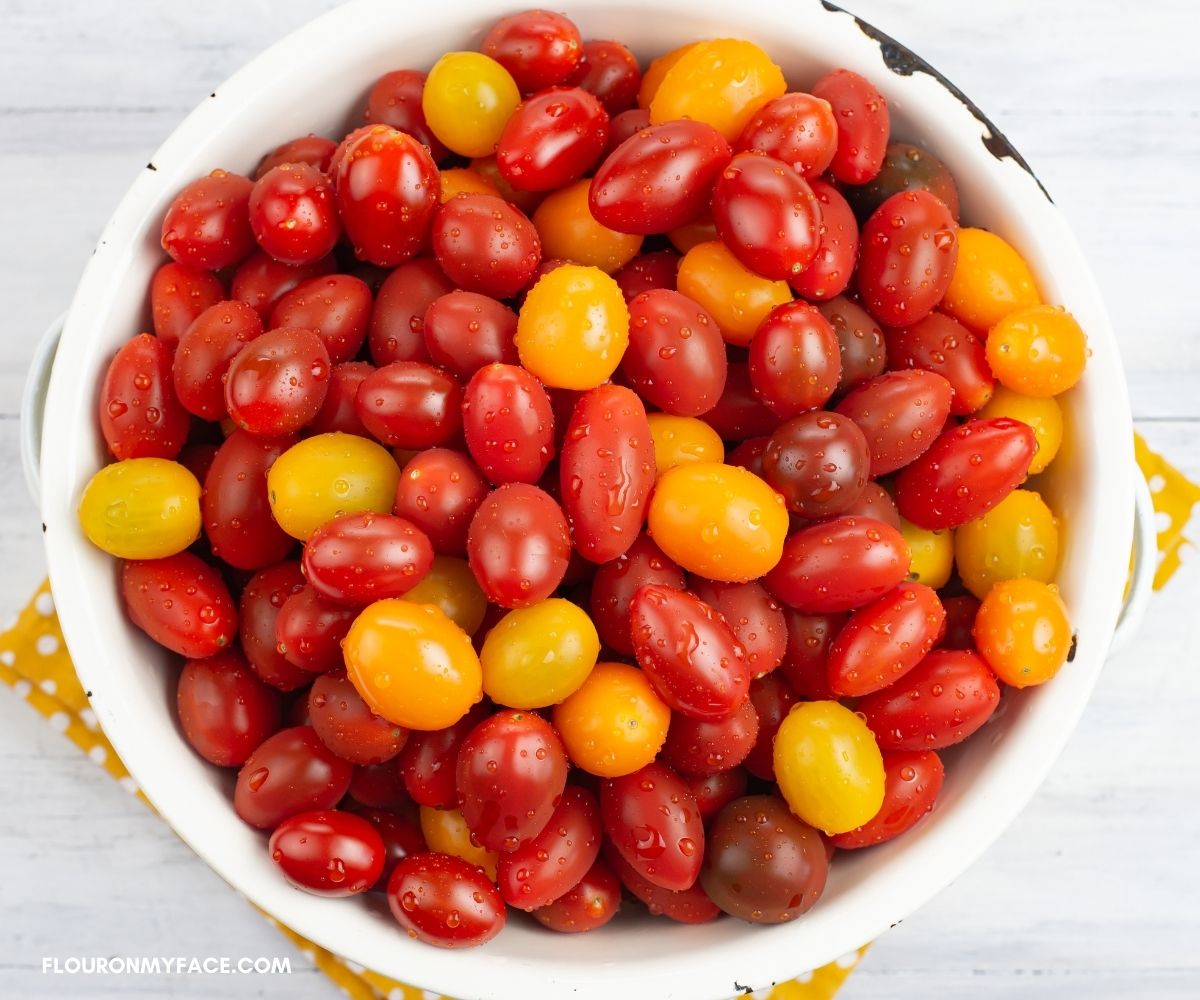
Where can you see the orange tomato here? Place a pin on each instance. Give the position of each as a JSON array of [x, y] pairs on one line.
[[736, 297], [990, 281], [1040, 351], [570, 232], [1023, 632]]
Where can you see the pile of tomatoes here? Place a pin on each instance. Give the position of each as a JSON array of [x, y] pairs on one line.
[[579, 480]]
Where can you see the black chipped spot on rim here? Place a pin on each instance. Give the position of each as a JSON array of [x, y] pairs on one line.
[[902, 61]]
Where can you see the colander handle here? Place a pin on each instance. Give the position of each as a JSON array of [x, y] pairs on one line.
[[1145, 563]]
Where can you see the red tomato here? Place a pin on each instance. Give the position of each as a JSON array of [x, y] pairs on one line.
[[805, 664], [395, 100], [748, 455], [610, 71], [590, 903], [837, 248], [339, 412], [518, 545], [659, 179], [700, 747], [688, 652], [262, 600], [429, 761], [795, 360], [941, 344], [356, 559], [863, 125], [617, 581], [387, 190], [509, 424], [293, 215], [401, 836], [818, 462], [739, 413], [912, 780], [205, 352], [860, 339], [336, 308], [290, 773], [756, 620], [647, 272], [909, 249], [396, 330], [607, 471], [224, 709], [277, 383], [885, 640], [140, 415], [625, 126], [486, 245], [554, 137], [342, 720], [676, 355], [464, 331], [439, 491], [538, 48], [558, 858], [689, 906], [207, 226], [408, 404], [960, 622], [715, 791], [181, 603], [309, 630], [766, 213], [261, 281], [379, 786], [968, 470], [946, 698], [445, 901], [798, 129], [651, 818], [900, 414], [511, 772], [178, 295], [876, 502], [839, 565], [772, 699], [313, 149], [328, 853], [235, 506]]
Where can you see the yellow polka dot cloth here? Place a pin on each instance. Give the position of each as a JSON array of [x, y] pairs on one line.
[[35, 663]]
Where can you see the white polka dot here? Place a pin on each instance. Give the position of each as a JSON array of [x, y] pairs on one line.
[[59, 721], [8, 657], [395, 994], [22, 687], [804, 977], [848, 961], [354, 967], [88, 718], [44, 604], [129, 785], [9, 624], [98, 754], [1185, 552], [48, 686], [1156, 483], [1162, 521], [47, 645]]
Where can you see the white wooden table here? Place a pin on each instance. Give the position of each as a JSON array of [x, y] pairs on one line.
[[1094, 892]]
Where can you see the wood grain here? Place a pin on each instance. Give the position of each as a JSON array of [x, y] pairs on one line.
[[1091, 894]]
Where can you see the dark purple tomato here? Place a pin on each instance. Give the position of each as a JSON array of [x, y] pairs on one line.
[[659, 179], [408, 404], [336, 308], [767, 215], [676, 355], [650, 817], [339, 412], [863, 125], [486, 245], [445, 901], [140, 414], [960, 622], [439, 491], [397, 328], [819, 463], [806, 663], [289, 773], [909, 249], [900, 414], [347, 726], [611, 72], [401, 836], [739, 413], [328, 852], [538, 48], [207, 226], [178, 295], [831, 269], [795, 360], [313, 149], [205, 352], [263, 597], [387, 192], [714, 791], [941, 344], [617, 581], [224, 709], [860, 339], [772, 698], [876, 502], [687, 906], [748, 455], [379, 786], [309, 630], [235, 506], [798, 129], [464, 331], [647, 272], [518, 545], [763, 864], [591, 903], [912, 780], [553, 138], [701, 747], [558, 858], [277, 382], [429, 761], [261, 281], [905, 168], [688, 652], [181, 602], [625, 126], [395, 100], [968, 471], [293, 215], [509, 424], [356, 559], [756, 620]]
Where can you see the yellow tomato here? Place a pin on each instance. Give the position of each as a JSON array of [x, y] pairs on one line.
[[718, 521], [657, 70], [1016, 538], [1040, 351], [932, 554], [737, 298], [828, 766], [615, 723], [573, 328], [1023, 631], [990, 281], [141, 508], [1043, 414], [446, 832], [460, 180], [467, 101], [412, 665], [451, 586], [570, 232], [722, 82], [679, 440], [330, 474], [539, 655]]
